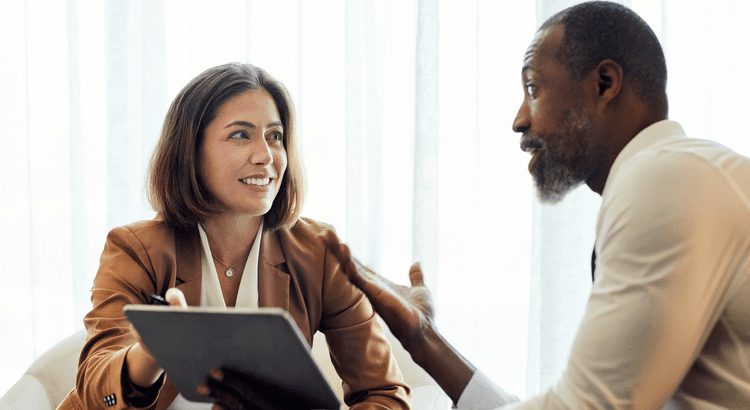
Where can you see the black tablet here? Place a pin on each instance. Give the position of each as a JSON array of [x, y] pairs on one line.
[[265, 343]]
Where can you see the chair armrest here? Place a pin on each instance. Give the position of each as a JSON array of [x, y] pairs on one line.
[[27, 393]]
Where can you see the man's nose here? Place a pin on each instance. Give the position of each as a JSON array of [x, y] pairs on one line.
[[522, 122]]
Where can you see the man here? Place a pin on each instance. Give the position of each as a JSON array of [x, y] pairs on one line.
[[667, 323]]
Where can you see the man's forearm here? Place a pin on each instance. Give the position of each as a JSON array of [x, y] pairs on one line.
[[443, 362]]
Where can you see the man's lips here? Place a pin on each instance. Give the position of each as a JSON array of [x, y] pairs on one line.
[[535, 154], [529, 145], [532, 147]]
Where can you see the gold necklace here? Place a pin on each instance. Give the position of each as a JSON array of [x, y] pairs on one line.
[[230, 269]]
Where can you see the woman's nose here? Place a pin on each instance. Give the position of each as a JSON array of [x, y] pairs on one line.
[[261, 153]]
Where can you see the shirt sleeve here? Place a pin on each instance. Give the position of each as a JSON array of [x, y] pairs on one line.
[[481, 394], [668, 242], [665, 262]]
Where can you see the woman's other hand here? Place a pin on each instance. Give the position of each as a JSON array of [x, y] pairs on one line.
[[143, 369]]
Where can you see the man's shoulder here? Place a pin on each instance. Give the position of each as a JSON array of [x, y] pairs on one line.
[[679, 177]]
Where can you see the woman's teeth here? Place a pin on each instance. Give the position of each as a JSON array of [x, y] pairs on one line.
[[256, 181]]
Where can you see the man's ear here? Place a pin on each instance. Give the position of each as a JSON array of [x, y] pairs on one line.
[[608, 75]]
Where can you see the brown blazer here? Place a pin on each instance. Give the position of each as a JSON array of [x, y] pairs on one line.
[[295, 272]]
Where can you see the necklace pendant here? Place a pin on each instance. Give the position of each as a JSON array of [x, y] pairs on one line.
[[229, 272]]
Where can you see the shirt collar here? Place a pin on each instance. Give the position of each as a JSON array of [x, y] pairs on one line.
[[650, 136], [211, 294]]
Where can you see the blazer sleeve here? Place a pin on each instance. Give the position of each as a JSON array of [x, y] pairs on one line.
[[359, 349], [125, 276]]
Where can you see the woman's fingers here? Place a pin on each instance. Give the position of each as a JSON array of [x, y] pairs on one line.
[[175, 297]]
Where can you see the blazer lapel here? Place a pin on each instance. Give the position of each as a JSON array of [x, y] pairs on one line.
[[188, 253], [273, 280]]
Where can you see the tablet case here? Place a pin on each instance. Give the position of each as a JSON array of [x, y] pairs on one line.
[[265, 343]]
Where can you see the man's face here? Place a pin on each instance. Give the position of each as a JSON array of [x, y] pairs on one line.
[[556, 126]]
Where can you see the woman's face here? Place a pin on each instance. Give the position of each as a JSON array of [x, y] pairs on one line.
[[242, 158]]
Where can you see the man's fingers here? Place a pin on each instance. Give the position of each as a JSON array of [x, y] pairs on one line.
[[350, 268], [362, 269], [340, 251], [415, 275], [364, 278], [330, 238], [175, 298], [234, 389]]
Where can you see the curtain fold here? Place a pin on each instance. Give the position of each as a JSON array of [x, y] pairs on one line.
[[404, 113], [426, 204]]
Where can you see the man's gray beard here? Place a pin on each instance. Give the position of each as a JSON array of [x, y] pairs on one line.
[[555, 184], [558, 173]]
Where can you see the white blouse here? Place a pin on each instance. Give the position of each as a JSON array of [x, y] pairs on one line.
[[211, 295]]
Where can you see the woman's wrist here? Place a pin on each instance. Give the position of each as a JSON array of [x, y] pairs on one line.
[[141, 369]]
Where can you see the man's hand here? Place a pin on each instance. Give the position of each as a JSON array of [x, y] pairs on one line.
[[407, 311], [234, 390]]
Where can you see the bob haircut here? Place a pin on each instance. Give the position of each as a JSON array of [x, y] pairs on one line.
[[175, 188]]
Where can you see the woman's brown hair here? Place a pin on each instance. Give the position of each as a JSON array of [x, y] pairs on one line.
[[174, 187]]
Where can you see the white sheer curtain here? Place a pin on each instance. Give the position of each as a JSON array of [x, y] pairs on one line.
[[405, 116]]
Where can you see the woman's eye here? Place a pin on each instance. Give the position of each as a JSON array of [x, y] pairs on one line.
[[276, 136], [239, 135]]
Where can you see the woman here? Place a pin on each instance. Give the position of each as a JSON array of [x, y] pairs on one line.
[[227, 182]]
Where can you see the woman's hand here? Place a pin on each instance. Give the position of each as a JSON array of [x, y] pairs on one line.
[[143, 369]]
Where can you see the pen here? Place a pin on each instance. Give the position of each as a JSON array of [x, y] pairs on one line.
[[158, 300]]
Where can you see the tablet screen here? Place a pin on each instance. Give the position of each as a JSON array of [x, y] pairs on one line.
[[264, 343]]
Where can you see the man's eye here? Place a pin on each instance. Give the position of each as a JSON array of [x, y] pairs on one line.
[[530, 89]]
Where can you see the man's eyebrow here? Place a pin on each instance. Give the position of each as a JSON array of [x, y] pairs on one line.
[[247, 124], [527, 57]]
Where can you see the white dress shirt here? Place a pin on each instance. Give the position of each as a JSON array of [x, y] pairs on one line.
[[668, 321], [211, 295]]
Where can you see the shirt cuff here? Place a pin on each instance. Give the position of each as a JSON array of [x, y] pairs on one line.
[[482, 394]]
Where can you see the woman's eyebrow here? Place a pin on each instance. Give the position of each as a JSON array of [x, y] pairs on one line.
[[251, 125], [241, 123]]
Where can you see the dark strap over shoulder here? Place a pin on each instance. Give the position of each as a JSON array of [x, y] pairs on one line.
[[593, 263]]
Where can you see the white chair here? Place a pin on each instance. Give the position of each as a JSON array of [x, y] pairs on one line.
[[51, 377]]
